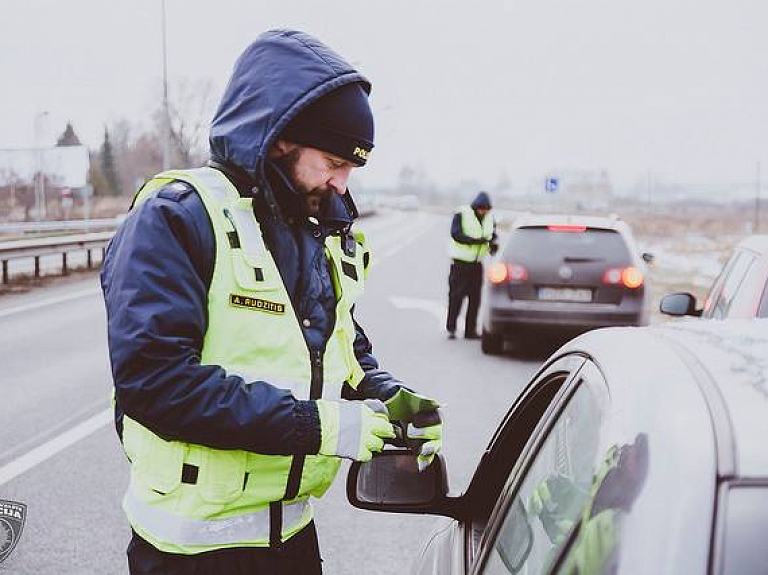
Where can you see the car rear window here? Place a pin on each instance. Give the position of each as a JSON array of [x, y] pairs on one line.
[[746, 523], [542, 245]]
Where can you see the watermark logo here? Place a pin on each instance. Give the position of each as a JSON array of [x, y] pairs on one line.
[[12, 516]]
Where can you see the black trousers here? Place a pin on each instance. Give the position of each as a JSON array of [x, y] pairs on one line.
[[464, 280], [300, 555]]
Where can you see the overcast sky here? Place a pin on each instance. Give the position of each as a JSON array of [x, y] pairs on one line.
[[462, 90]]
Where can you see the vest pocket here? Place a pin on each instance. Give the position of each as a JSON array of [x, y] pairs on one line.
[[222, 473], [262, 277], [156, 461]]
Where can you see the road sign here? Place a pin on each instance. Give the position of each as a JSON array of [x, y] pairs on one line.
[[551, 185]]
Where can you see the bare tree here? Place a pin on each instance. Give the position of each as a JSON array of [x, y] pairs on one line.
[[190, 109]]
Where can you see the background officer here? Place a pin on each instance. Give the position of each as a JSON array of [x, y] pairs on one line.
[[473, 234]]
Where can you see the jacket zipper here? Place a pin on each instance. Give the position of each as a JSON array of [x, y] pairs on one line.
[[316, 383]]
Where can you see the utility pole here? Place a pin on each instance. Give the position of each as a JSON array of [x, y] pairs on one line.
[[757, 200], [166, 116], [40, 207], [649, 185]]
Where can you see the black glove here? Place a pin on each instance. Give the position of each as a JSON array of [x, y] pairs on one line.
[[493, 248]]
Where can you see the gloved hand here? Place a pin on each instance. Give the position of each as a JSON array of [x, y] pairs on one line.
[[493, 247], [405, 404], [549, 501], [353, 429], [432, 437], [423, 422]]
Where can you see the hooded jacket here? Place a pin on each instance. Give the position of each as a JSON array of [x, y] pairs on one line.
[[158, 270]]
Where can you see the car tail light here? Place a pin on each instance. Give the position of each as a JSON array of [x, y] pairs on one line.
[[517, 273], [629, 277], [566, 228], [497, 273]]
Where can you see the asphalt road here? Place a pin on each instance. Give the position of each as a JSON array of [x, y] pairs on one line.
[[60, 455]]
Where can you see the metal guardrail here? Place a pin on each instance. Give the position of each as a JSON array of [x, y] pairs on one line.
[[60, 225], [38, 247]]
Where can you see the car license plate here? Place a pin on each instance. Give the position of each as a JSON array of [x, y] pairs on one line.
[[565, 294]]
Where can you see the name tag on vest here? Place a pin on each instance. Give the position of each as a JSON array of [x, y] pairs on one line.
[[256, 304]]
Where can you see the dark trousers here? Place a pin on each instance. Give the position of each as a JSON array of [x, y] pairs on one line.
[[300, 555], [464, 280]]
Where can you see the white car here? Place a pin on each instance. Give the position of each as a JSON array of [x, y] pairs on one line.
[[632, 451]]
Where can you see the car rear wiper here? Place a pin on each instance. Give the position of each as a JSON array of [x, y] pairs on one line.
[[571, 259]]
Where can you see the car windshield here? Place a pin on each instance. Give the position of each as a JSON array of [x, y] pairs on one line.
[[746, 522], [544, 245]]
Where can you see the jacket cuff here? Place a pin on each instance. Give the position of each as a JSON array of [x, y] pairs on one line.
[[307, 429]]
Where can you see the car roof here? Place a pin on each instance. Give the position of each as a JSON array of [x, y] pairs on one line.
[[698, 392], [735, 355], [756, 243], [720, 365], [591, 221]]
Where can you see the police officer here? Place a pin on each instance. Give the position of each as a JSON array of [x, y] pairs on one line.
[[241, 376], [473, 235]]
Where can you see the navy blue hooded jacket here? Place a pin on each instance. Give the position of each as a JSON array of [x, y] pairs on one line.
[[159, 267]]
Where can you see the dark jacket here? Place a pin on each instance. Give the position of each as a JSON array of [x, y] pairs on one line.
[[159, 267]]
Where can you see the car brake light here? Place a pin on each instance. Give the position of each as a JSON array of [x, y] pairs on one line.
[[517, 272], [497, 273], [632, 277], [566, 228], [629, 277]]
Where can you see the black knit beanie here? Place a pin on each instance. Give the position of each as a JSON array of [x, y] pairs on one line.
[[340, 123]]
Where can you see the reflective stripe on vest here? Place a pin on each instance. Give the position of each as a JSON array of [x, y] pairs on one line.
[[471, 227], [252, 332], [239, 530]]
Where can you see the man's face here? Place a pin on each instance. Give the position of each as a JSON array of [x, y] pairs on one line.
[[314, 174], [483, 211]]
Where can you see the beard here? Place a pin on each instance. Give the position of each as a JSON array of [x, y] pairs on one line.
[[314, 198]]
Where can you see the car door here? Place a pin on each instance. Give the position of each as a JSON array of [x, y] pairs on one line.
[[726, 287], [548, 489], [453, 546]]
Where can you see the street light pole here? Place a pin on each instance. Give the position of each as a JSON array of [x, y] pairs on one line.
[[40, 211], [166, 129], [757, 200]]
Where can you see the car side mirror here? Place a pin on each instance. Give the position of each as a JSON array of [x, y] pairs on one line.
[[391, 481], [679, 304], [648, 257]]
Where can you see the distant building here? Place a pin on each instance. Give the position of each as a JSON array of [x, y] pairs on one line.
[[62, 166], [64, 170]]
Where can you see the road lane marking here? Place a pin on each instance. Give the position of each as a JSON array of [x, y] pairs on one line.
[[50, 301], [41, 437], [436, 309], [407, 236], [54, 446]]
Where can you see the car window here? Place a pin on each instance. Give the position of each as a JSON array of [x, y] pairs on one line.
[[550, 247], [746, 523], [731, 285], [555, 487], [508, 443], [762, 310]]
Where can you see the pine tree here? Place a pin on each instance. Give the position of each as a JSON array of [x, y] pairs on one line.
[[68, 138], [108, 167]]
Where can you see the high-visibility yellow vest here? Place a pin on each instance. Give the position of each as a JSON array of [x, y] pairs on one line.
[[253, 332], [472, 227]]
